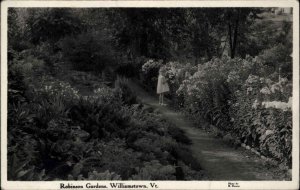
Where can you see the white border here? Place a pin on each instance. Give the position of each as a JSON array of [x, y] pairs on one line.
[[294, 184]]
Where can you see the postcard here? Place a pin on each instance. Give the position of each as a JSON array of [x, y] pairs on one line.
[[149, 95]]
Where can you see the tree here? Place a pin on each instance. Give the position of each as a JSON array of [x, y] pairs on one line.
[[238, 19], [147, 32], [206, 31], [50, 25]]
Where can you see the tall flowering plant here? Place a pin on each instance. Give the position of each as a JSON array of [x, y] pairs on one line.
[[243, 97], [176, 73], [203, 90], [261, 113]]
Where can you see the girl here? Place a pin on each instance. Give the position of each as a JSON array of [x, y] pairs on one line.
[[162, 87]]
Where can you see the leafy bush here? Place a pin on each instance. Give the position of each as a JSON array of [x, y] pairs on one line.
[[276, 55], [155, 171], [128, 97], [150, 73]]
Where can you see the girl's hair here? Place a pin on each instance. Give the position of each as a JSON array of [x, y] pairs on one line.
[[161, 70]]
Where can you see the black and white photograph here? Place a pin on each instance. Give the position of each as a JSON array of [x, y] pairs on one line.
[[121, 96]]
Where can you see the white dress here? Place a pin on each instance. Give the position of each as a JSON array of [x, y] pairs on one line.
[[162, 85]]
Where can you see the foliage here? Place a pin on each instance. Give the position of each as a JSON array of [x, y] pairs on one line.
[[107, 175], [259, 123], [16, 22], [51, 24], [240, 96], [147, 32], [150, 73], [88, 51], [151, 65], [278, 57], [166, 33], [128, 97], [55, 133], [49, 86], [128, 70], [155, 171], [170, 33], [175, 73], [176, 134], [105, 94]]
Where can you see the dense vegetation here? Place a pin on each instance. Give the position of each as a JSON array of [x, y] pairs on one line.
[[57, 133], [71, 115], [243, 98], [247, 99]]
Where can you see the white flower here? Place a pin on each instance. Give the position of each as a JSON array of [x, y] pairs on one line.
[[262, 80], [269, 81], [290, 101], [283, 80], [276, 87], [255, 104], [278, 105], [265, 90], [252, 79], [249, 89], [269, 132]]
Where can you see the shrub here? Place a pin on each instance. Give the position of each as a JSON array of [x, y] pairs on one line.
[[128, 97], [155, 171], [279, 58], [150, 73]]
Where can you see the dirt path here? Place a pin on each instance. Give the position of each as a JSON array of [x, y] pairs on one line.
[[221, 161]]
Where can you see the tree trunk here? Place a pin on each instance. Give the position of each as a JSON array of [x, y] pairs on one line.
[[230, 39], [235, 36]]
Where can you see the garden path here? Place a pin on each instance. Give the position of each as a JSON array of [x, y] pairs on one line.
[[218, 159]]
